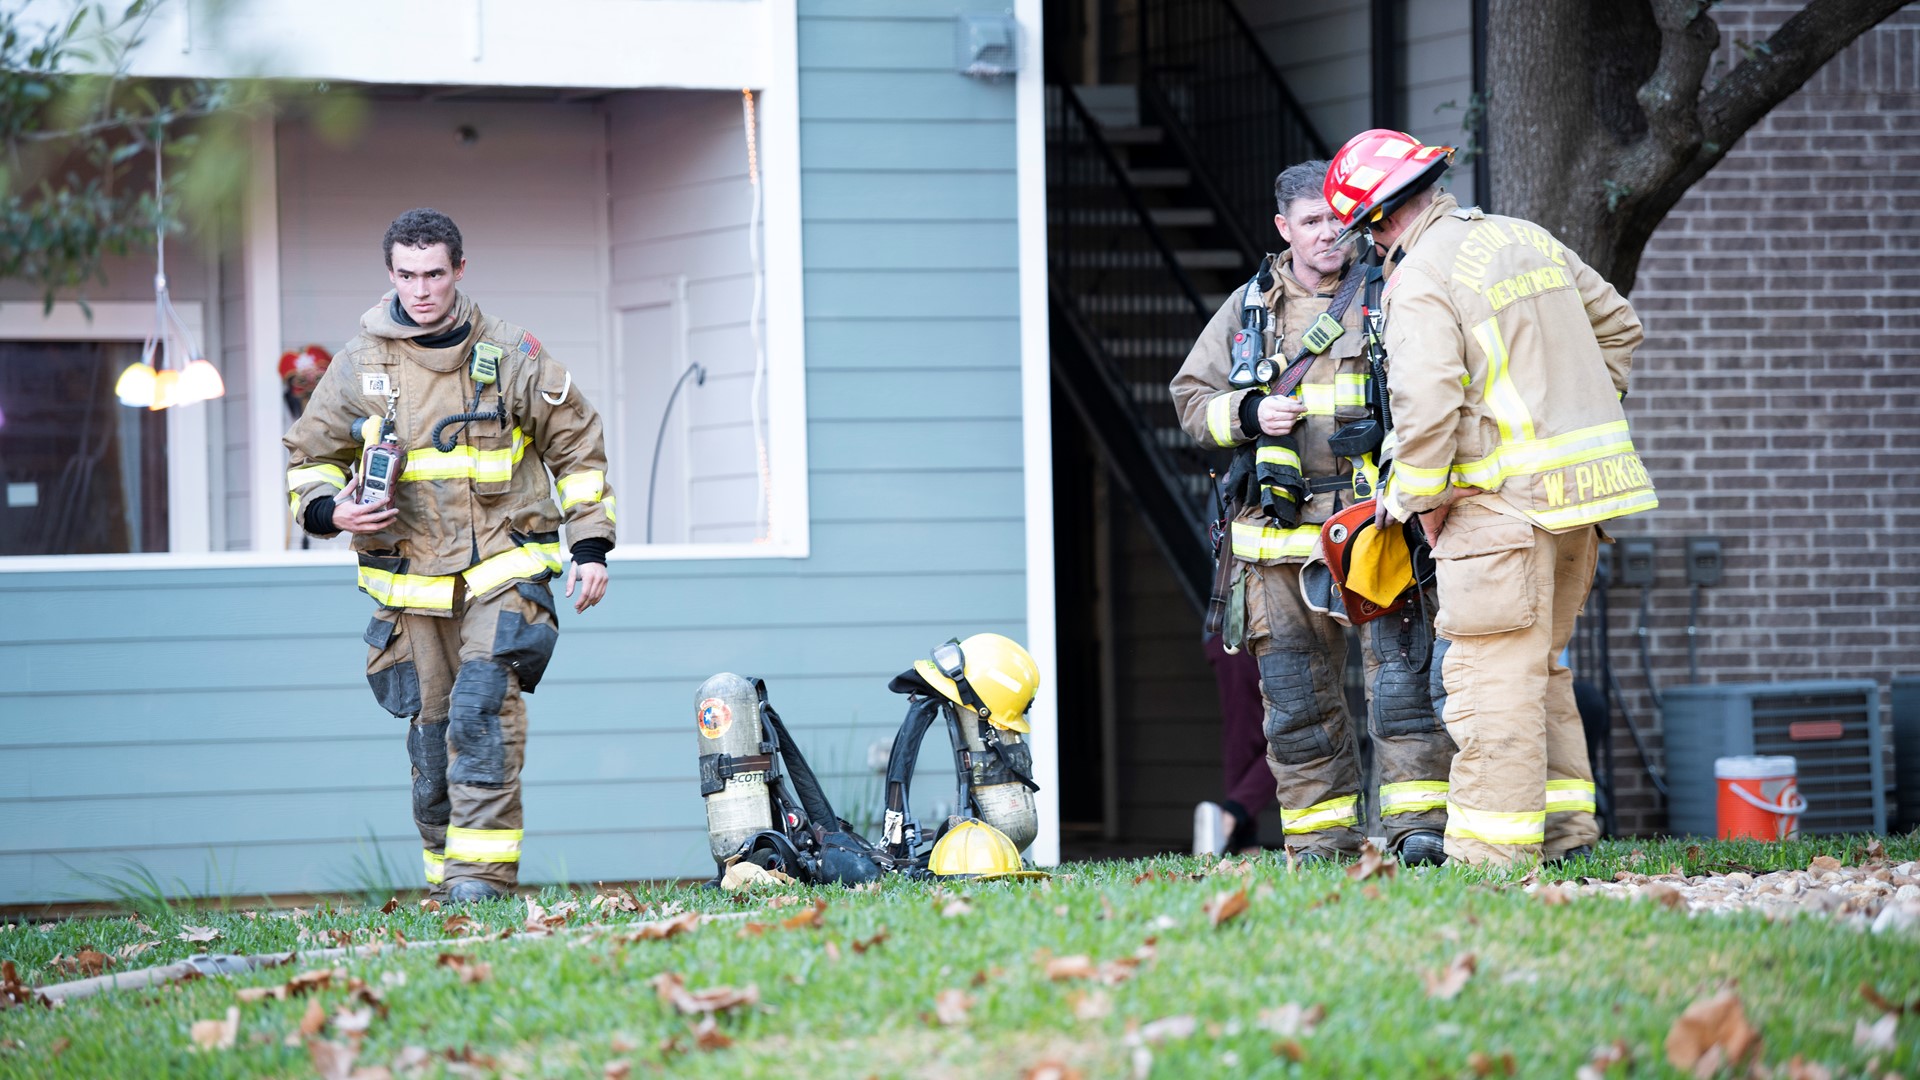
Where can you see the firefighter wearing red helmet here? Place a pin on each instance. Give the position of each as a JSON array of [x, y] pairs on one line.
[[1310, 747], [1510, 359]]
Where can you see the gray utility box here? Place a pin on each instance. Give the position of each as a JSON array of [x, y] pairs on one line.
[[1906, 751], [1830, 727]]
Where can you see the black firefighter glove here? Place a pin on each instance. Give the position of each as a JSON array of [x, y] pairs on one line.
[[1276, 472]]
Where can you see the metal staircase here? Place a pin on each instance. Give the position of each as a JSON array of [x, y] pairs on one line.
[[1159, 204]]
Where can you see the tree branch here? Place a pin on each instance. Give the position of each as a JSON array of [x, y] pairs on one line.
[[1670, 97], [1790, 58]]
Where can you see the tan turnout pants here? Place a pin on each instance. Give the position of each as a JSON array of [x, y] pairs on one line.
[[1521, 785], [1311, 744], [458, 678]]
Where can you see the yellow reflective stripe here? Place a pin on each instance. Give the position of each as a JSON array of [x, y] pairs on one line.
[[1605, 510], [436, 867], [407, 590], [1318, 398], [484, 845], [1253, 542], [1350, 388], [608, 504], [1412, 796], [307, 474], [1565, 795], [1220, 418], [1277, 492], [480, 466], [1344, 810], [1540, 455], [582, 487], [1415, 480], [1276, 455], [1509, 408], [525, 561], [1496, 827]]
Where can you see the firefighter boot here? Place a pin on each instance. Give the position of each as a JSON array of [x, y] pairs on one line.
[[1423, 848], [471, 890]]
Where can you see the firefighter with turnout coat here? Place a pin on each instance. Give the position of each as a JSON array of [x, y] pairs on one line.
[[473, 416], [1298, 300], [1510, 363]]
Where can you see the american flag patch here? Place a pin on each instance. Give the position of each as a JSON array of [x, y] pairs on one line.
[[529, 344]]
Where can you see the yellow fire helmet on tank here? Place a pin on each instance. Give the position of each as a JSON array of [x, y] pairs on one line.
[[975, 849], [987, 673]]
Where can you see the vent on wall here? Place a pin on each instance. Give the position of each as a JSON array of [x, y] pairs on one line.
[[1831, 728]]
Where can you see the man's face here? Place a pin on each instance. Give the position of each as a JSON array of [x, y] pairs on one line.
[[424, 278], [1309, 228]]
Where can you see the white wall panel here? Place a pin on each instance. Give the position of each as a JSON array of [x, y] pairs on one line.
[[678, 228]]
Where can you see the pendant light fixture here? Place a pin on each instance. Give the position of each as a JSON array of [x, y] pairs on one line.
[[170, 370]]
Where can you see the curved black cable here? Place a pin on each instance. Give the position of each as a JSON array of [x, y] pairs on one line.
[[653, 471]]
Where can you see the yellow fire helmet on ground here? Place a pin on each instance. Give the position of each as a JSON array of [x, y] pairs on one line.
[[987, 673], [975, 849]]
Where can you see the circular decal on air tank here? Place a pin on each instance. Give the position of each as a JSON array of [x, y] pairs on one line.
[[714, 717]]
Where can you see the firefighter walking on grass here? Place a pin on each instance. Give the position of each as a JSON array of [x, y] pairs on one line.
[[459, 555], [1510, 362], [1305, 306]]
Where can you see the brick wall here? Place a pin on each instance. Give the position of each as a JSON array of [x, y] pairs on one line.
[[1777, 399]]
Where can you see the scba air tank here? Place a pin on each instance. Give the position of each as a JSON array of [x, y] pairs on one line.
[[733, 770], [1003, 801]]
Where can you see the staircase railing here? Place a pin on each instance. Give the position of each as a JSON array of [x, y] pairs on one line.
[[1212, 84], [1126, 312]]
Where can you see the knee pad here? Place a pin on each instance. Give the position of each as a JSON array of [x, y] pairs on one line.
[[1401, 699], [1294, 728], [474, 724], [1436, 683], [524, 647], [427, 749]]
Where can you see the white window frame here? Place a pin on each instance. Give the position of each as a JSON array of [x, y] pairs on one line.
[[189, 495]]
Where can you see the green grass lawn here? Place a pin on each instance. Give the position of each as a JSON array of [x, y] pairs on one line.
[[917, 980]]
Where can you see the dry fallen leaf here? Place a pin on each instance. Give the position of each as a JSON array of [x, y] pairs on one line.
[[476, 973], [1148, 876], [85, 962], [392, 905], [1371, 864], [1662, 893], [950, 1007], [1713, 1031], [330, 1059], [1484, 1064], [660, 929], [429, 904], [618, 1069], [1290, 1049], [1872, 996], [806, 920], [955, 908], [672, 989], [1167, 1027], [1446, 985], [1050, 1070], [1370, 891], [197, 934], [1226, 906], [1552, 895], [708, 1036], [217, 1034], [1291, 1019], [1090, 1006], [1822, 864], [874, 942], [1604, 1058], [1800, 1069], [1062, 968], [457, 925], [1876, 850], [315, 1018], [1877, 1035], [59, 1046]]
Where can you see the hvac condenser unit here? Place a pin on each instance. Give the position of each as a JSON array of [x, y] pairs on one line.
[[1831, 729]]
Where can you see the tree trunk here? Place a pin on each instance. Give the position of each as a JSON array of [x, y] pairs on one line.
[[1600, 117]]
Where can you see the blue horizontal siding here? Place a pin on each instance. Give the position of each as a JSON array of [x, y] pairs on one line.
[[212, 729]]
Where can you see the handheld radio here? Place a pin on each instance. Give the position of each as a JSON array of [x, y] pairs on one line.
[[379, 460]]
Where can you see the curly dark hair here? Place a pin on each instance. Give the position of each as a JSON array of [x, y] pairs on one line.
[[421, 228]]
